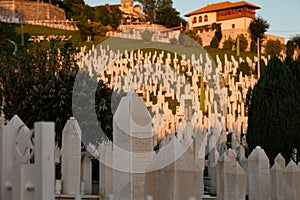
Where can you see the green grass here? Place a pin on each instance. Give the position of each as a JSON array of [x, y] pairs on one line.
[[213, 52], [129, 44], [42, 30], [14, 32]]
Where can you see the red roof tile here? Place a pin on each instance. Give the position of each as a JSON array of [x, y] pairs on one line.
[[221, 6]]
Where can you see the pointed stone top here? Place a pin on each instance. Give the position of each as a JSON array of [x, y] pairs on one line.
[[280, 160], [258, 154], [132, 111], [132, 93], [224, 158], [258, 148], [236, 169], [72, 126], [231, 154], [276, 167], [292, 167], [15, 121]]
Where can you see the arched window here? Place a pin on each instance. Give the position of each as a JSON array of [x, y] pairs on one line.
[[200, 19], [194, 20], [205, 18]]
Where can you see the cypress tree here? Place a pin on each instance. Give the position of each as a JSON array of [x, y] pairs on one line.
[[274, 115]]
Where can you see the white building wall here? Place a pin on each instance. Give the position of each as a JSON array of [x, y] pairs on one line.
[[239, 23], [212, 18]]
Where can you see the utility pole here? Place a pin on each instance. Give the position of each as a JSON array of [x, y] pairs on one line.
[[238, 45], [22, 34], [258, 56], [22, 28]]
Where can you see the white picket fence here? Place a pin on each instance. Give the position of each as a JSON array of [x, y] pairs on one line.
[[27, 168], [26, 164]]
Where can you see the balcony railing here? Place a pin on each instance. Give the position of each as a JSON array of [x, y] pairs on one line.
[[235, 15]]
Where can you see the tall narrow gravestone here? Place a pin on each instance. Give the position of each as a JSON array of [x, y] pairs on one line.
[[105, 170], [71, 157], [7, 148], [133, 146], [291, 181], [86, 174], [44, 160], [259, 175]]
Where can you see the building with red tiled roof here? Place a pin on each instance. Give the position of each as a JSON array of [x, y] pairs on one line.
[[229, 14], [233, 17]]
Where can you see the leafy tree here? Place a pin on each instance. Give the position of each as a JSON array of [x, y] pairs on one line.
[[273, 47], [89, 12], [149, 8], [169, 17], [218, 36], [257, 28], [296, 40], [37, 85], [243, 43], [228, 44], [147, 35], [290, 48], [244, 68], [5, 45], [218, 33], [85, 29], [253, 47], [190, 38], [248, 99], [164, 3], [99, 29], [198, 39], [74, 9], [108, 15], [273, 120], [214, 43]]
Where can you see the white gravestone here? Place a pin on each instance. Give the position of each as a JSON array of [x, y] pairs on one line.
[[71, 157], [133, 144]]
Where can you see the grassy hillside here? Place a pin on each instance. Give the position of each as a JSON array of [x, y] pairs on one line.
[[14, 32], [125, 44]]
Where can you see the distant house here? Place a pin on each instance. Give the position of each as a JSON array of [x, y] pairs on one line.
[[233, 17], [130, 11], [237, 15]]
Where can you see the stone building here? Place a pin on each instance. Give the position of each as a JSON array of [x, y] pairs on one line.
[[31, 10], [130, 11], [234, 18]]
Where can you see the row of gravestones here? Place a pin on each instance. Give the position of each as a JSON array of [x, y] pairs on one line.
[[233, 179], [27, 169], [27, 161], [27, 164]]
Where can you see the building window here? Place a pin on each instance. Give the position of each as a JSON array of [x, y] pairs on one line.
[[194, 20], [233, 25], [200, 19], [205, 18]]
